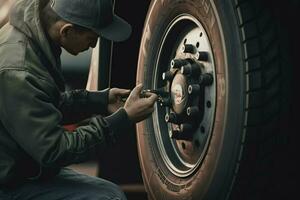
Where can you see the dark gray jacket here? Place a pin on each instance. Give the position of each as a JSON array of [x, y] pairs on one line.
[[34, 105]]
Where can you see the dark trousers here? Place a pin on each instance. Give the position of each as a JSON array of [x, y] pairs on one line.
[[67, 185]]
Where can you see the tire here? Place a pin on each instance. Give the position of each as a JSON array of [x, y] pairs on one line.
[[236, 158]]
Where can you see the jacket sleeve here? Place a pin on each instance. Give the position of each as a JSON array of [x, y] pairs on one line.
[[29, 114], [77, 105]]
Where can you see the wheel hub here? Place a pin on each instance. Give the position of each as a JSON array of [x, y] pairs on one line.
[[187, 81], [188, 87]]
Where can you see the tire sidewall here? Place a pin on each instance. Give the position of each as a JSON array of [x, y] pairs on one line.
[[214, 176]]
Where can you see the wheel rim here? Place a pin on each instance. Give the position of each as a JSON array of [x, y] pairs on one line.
[[183, 122]]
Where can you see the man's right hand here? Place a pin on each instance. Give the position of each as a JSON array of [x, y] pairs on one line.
[[138, 108]]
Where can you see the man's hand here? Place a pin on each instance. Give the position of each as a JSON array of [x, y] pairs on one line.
[[138, 108], [115, 99]]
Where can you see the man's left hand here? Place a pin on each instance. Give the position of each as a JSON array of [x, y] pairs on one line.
[[115, 99]]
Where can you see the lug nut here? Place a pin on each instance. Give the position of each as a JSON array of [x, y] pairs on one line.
[[171, 118], [178, 135], [202, 56], [192, 111], [177, 63], [194, 89], [189, 48], [175, 134], [167, 76], [186, 70], [191, 69], [184, 128], [206, 79]]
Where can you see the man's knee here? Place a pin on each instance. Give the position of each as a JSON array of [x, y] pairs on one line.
[[89, 187], [115, 192], [104, 189]]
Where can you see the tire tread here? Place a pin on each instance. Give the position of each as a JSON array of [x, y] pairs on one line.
[[263, 72]]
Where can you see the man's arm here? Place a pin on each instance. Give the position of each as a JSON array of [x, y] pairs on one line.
[[30, 116], [77, 105]]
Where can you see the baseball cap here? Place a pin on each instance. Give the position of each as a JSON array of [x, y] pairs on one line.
[[96, 15]]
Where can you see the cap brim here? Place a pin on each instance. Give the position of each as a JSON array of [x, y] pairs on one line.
[[119, 30]]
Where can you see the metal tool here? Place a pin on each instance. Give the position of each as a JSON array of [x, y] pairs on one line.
[[163, 96], [159, 92]]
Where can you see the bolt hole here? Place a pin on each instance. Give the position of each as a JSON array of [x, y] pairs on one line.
[[208, 104], [185, 40], [201, 34], [183, 145], [198, 44], [202, 129], [197, 143]]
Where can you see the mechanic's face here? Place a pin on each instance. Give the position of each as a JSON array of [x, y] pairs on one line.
[[75, 41]]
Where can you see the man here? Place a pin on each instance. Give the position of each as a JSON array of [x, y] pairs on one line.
[[34, 147]]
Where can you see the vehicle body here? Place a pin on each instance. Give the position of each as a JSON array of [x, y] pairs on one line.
[[248, 146]]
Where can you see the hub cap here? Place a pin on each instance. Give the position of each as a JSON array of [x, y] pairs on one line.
[[179, 92]]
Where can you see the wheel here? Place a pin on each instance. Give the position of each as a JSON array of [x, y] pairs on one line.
[[217, 67]]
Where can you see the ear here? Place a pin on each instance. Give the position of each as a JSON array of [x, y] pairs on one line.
[[66, 29]]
